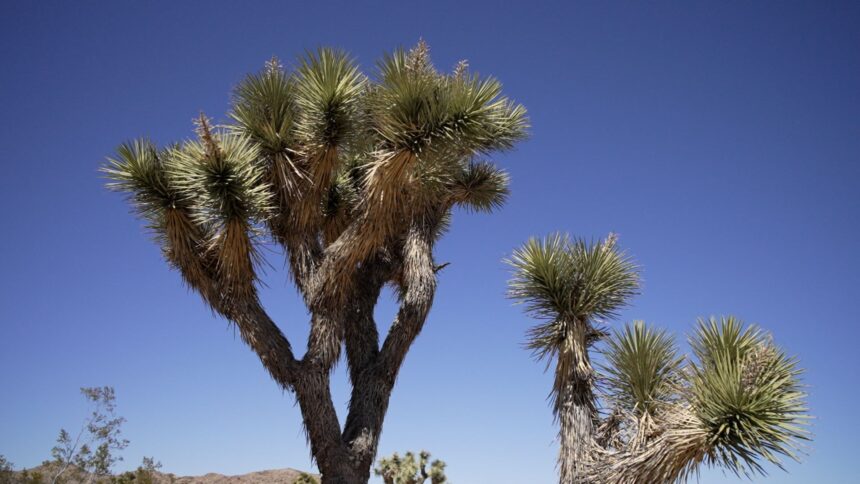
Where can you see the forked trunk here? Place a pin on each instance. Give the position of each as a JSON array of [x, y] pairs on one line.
[[346, 458]]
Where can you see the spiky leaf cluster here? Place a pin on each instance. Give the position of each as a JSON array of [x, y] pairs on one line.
[[746, 393], [139, 170], [329, 90], [737, 403], [414, 108], [481, 187], [215, 177], [642, 369], [430, 125], [570, 282], [218, 175], [264, 108], [318, 150]]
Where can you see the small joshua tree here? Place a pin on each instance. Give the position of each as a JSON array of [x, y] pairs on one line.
[[408, 470], [354, 180], [146, 473], [305, 478], [737, 402]]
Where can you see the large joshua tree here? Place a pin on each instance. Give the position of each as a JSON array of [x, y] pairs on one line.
[[354, 178], [649, 415]]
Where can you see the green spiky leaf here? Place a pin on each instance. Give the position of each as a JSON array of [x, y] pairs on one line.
[[328, 94], [481, 187], [220, 176], [746, 392], [641, 369], [139, 170], [264, 108], [563, 278]]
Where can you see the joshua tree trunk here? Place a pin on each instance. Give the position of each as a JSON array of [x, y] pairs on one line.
[[576, 418], [343, 457], [575, 407], [346, 456]]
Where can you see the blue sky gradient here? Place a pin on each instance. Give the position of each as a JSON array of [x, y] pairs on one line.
[[720, 139]]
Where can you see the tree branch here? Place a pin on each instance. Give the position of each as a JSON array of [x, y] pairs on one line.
[[255, 326], [331, 320], [264, 337], [369, 399], [320, 420], [419, 287], [361, 337], [304, 253]]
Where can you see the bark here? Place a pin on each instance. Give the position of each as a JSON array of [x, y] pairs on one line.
[[576, 417], [374, 378], [363, 428], [366, 406], [304, 254], [265, 338], [575, 405], [322, 426]]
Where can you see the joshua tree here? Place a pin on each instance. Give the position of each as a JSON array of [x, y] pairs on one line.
[[408, 470], [738, 401], [354, 180], [572, 286], [305, 478]]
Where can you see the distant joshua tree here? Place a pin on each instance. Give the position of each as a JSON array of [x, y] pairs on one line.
[[409, 470], [305, 478], [354, 179], [737, 402]]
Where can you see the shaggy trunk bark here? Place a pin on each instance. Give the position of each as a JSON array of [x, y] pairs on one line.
[[575, 406], [363, 426], [321, 424], [576, 428], [373, 377], [347, 457], [342, 458]]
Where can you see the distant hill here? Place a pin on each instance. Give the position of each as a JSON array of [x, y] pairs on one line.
[[274, 476]]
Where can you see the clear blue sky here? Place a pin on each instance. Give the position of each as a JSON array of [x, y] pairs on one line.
[[720, 139]]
